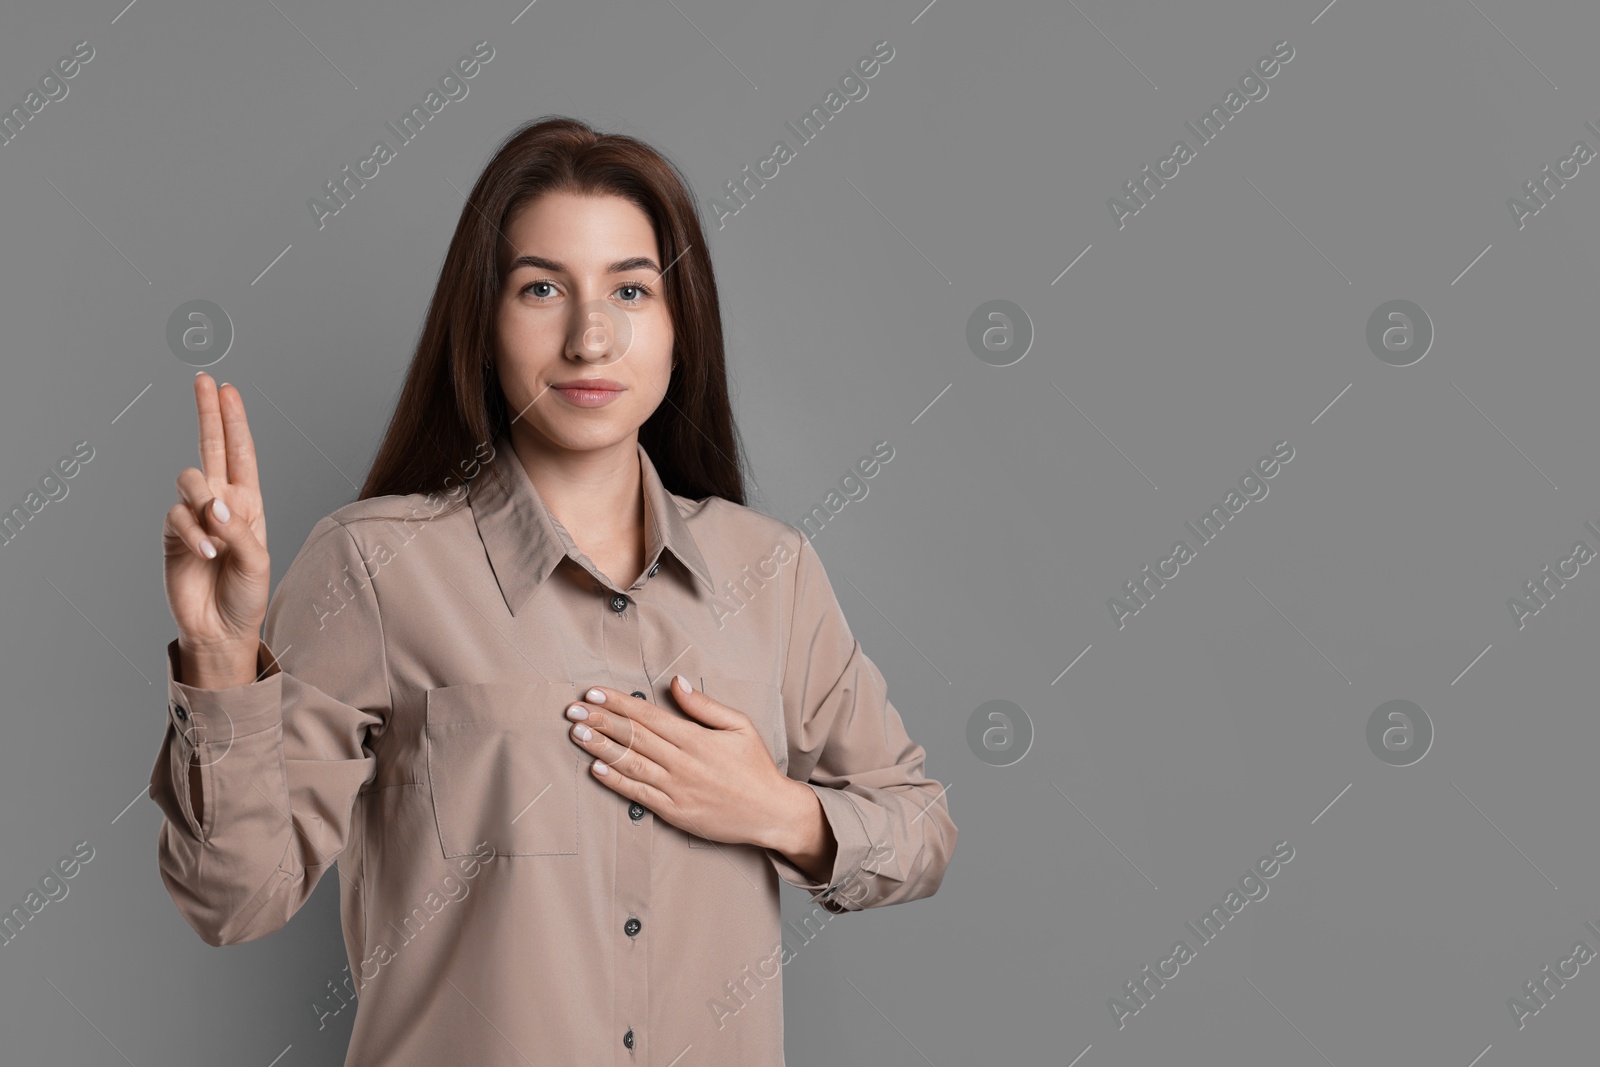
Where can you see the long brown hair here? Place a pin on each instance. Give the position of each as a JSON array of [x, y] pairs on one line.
[[451, 406]]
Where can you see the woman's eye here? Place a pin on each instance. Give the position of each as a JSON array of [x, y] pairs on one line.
[[639, 291]]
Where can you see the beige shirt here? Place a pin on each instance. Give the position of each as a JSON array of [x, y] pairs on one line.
[[499, 904]]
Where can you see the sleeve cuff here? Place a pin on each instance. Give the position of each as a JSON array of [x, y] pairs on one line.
[[843, 889], [206, 721]]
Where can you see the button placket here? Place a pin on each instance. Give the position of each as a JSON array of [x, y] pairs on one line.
[[630, 893]]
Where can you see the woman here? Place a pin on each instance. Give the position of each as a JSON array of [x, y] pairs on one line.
[[563, 709]]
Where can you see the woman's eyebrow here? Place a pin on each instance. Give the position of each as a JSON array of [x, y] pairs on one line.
[[621, 266]]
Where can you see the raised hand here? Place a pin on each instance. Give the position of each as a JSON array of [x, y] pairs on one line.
[[218, 573]]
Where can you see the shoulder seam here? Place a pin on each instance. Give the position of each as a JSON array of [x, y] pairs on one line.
[[412, 517]]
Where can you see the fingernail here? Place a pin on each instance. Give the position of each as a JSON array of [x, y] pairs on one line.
[[601, 768], [581, 732], [220, 509], [594, 696], [684, 682], [577, 711], [208, 548]]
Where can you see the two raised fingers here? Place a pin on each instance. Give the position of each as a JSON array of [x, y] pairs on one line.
[[227, 452]]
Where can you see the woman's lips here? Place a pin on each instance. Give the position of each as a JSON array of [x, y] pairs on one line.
[[587, 398]]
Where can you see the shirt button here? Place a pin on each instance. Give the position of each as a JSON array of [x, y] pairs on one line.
[[627, 1038], [631, 927], [180, 711], [619, 602], [636, 811], [653, 568], [638, 694]]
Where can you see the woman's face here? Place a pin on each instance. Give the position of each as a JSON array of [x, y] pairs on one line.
[[582, 300]]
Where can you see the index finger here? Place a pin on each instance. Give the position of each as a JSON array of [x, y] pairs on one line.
[[241, 446], [213, 450]]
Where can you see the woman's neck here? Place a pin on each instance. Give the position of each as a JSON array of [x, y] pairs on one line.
[[597, 494]]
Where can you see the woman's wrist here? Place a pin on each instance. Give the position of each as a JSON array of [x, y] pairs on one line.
[[803, 834], [218, 667]]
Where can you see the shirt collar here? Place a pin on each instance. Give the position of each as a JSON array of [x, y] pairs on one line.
[[525, 542]]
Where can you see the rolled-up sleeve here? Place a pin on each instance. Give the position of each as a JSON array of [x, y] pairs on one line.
[[277, 762], [847, 742]]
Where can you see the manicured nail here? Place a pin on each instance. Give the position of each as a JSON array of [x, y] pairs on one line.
[[594, 696], [601, 768], [577, 711], [208, 548], [220, 509], [581, 732], [687, 688]]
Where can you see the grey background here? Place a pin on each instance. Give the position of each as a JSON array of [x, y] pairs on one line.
[[1225, 317]]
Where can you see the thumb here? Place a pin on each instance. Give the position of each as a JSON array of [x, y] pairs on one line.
[[250, 555], [703, 709]]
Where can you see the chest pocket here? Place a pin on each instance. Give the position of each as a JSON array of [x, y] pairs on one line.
[[763, 702], [501, 770]]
